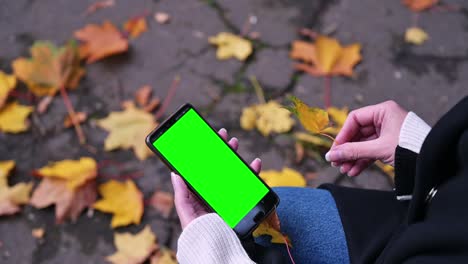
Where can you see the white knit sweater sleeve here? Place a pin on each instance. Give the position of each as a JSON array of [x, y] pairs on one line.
[[413, 132], [208, 239]]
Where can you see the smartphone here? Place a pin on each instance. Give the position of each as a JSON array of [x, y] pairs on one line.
[[213, 171]]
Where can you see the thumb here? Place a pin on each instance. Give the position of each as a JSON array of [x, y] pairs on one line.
[[180, 188], [352, 151]]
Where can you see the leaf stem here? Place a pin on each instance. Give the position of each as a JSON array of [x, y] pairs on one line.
[[327, 96], [328, 136], [72, 113], [258, 89], [170, 94]]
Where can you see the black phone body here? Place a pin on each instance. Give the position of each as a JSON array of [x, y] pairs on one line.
[[225, 192]]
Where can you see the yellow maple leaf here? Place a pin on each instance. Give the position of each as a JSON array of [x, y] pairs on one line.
[[267, 118], [74, 172], [285, 177], [419, 5], [386, 168], [7, 83], [339, 117], [135, 26], [164, 256], [13, 118], [416, 36], [123, 199], [271, 227], [314, 120], [326, 57], [100, 41], [313, 139], [49, 68], [128, 129], [133, 249], [230, 45], [12, 197]]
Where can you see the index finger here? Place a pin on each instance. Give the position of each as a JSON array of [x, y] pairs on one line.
[[357, 119]]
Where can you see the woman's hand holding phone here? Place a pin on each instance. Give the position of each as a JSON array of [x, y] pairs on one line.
[[188, 206]]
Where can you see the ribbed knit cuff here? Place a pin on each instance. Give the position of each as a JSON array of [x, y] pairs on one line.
[[413, 132], [208, 239]]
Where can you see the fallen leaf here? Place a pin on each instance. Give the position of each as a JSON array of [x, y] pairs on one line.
[[68, 203], [151, 106], [313, 139], [13, 118], [163, 202], [164, 256], [162, 17], [326, 57], [285, 177], [128, 129], [387, 169], [12, 197], [74, 172], [230, 45], [38, 233], [339, 117], [7, 84], [135, 26], [267, 118], [100, 41], [43, 105], [271, 227], [133, 249], [416, 36], [419, 5], [314, 120], [80, 117], [49, 68], [123, 199], [143, 94], [99, 5]]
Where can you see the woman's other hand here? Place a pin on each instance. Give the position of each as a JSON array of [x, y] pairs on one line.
[[188, 206], [368, 134]]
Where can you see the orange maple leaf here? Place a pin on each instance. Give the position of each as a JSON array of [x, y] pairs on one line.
[[419, 5], [326, 57], [136, 26], [100, 41]]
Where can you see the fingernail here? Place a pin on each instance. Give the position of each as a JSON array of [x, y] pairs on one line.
[[258, 160], [333, 164], [234, 138], [327, 156], [342, 170], [223, 130], [173, 179]]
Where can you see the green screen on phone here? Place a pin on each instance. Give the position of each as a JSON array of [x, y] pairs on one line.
[[211, 167]]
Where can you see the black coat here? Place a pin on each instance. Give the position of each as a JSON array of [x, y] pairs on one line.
[[381, 229]]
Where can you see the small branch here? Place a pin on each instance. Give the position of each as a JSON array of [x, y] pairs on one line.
[[327, 96], [72, 113], [258, 89], [328, 136], [170, 94]]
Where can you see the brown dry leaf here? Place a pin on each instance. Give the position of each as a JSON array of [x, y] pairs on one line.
[[133, 249], [268, 118], [12, 197], [419, 5], [285, 177], [80, 117], [68, 203], [163, 202], [128, 129], [98, 5], [136, 26], [123, 199], [416, 35], [13, 118], [143, 94], [162, 17], [7, 84], [49, 68], [38, 233], [74, 172], [326, 57], [230, 45], [164, 256], [271, 227], [100, 41], [314, 120], [151, 106]]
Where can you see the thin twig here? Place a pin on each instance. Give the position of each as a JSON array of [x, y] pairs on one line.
[[328, 136], [258, 89], [327, 96], [72, 114], [170, 94]]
